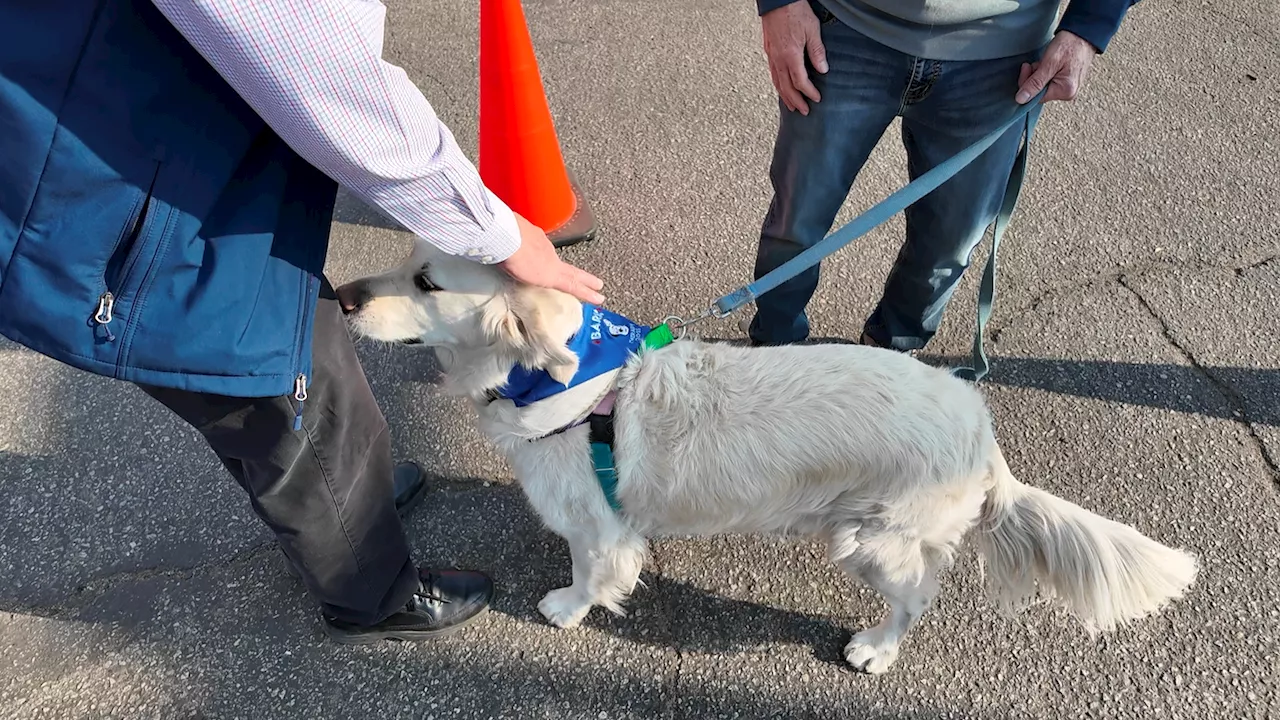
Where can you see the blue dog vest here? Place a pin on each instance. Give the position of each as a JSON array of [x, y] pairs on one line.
[[604, 343]]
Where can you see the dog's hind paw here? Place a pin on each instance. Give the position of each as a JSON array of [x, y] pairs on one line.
[[868, 652], [564, 608]]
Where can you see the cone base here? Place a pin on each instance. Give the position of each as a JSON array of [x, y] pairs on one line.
[[581, 226]]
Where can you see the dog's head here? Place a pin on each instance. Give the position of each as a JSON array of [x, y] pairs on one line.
[[476, 313]]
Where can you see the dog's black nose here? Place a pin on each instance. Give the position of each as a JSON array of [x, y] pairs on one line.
[[351, 296]]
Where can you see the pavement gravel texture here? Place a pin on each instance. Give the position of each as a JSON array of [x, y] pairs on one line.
[[1136, 352]]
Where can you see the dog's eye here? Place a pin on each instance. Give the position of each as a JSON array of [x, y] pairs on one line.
[[424, 283]]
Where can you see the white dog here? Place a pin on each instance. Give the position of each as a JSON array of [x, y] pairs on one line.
[[886, 459]]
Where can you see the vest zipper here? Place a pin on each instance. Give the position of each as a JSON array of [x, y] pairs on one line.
[[300, 382], [299, 394], [106, 303]]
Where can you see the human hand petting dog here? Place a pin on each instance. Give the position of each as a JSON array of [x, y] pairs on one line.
[[1063, 68], [536, 263]]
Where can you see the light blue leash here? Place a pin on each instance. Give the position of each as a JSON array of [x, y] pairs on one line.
[[1028, 114]]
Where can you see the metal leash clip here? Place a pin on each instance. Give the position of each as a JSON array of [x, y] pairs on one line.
[[678, 324]]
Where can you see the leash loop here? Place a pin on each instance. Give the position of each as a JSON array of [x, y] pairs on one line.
[[679, 325]]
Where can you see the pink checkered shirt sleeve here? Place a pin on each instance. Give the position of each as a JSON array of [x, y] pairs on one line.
[[313, 70]]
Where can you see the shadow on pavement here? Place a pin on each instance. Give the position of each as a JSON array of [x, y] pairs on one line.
[[245, 617], [463, 523], [471, 524], [527, 561], [1148, 385], [1156, 385]]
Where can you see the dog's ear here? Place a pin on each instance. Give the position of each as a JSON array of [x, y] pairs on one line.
[[536, 323]]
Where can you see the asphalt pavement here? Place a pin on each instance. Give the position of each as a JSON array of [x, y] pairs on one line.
[[1136, 371]]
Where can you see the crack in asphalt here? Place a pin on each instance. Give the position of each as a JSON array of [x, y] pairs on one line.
[[660, 579], [1053, 292], [1254, 266], [1114, 275], [87, 593], [679, 678], [1224, 388]]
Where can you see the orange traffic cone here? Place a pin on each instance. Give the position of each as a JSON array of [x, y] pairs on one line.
[[520, 158]]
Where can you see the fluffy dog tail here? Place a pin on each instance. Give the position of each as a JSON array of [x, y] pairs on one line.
[[1103, 572]]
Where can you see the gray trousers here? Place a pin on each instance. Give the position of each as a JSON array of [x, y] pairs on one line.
[[325, 490]]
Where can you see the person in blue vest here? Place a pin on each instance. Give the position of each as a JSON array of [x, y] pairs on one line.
[[952, 71], [166, 195]]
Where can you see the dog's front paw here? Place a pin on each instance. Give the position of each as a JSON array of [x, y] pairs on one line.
[[565, 607], [869, 653]]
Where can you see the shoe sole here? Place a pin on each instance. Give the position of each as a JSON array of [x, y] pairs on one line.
[[370, 638]]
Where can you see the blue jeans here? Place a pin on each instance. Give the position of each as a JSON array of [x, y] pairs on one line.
[[945, 107]]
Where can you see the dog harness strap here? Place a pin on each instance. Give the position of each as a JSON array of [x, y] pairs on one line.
[[602, 459]]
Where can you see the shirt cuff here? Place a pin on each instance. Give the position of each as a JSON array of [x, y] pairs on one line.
[[501, 239]]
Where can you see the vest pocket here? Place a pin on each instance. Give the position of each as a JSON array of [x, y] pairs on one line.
[[123, 259]]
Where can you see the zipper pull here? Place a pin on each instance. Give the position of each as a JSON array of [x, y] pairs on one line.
[[106, 303], [299, 394]]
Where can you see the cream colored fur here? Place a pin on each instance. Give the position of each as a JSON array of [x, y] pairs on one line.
[[889, 461]]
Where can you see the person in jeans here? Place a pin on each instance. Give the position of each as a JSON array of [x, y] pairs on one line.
[[166, 196], [953, 71]]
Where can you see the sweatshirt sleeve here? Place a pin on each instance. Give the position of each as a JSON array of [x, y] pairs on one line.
[[1097, 21], [764, 6]]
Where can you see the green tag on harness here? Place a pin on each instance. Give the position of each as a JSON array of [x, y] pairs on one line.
[[658, 337]]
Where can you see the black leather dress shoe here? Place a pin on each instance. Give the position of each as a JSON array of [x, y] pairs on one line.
[[446, 601], [409, 483]]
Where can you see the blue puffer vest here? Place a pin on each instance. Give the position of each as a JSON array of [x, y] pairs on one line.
[[152, 227]]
